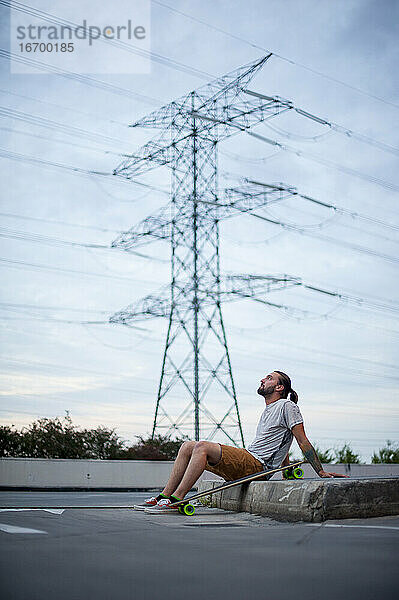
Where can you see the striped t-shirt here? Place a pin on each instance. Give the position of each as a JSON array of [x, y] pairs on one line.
[[273, 434]]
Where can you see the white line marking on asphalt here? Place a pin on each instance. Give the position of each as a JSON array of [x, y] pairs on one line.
[[13, 529], [54, 511], [352, 526]]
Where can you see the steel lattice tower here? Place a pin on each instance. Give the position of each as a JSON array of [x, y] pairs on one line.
[[196, 356]]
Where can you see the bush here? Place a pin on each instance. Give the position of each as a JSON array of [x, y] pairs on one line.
[[59, 438], [388, 454], [160, 447], [346, 455], [10, 441], [103, 443], [325, 456]]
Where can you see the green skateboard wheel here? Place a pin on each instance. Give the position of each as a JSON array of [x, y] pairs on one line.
[[298, 473], [188, 509], [288, 474], [180, 509]]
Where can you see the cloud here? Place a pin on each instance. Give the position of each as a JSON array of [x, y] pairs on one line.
[[14, 384]]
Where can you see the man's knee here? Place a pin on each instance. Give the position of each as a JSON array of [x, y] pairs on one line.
[[186, 447], [211, 450], [201, 446]]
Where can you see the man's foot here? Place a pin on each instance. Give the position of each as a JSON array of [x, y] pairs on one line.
[[147, 503], [162, 507]]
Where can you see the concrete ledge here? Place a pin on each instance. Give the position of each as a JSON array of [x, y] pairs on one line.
[[312, 500]]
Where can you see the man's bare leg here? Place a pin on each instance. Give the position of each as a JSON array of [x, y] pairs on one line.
[[200, 454], [179, 468]]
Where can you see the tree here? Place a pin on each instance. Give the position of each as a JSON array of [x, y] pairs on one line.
[[388, 454], [346, 455]]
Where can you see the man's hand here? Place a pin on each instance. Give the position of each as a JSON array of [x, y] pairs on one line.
[[325, 474]]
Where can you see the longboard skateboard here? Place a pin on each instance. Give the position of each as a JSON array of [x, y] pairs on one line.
[[186, 507]]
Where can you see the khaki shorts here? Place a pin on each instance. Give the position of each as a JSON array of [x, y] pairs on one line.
[[235, 463]]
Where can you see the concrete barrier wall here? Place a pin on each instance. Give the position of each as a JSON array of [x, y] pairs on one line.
[[40, 473]]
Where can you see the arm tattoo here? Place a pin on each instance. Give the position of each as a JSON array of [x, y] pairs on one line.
[[311, 456]]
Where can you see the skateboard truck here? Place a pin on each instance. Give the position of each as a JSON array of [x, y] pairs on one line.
[[293, 473]]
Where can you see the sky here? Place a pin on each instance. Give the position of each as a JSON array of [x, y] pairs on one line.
[[333, 58]]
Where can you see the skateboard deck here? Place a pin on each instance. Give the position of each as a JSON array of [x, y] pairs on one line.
[[186, 507]]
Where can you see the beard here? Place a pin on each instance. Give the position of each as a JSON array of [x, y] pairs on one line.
[[265, 391]]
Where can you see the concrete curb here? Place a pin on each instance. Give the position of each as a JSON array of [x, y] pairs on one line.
[[313, 501]]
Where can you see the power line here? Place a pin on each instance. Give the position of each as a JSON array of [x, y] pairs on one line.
[[332, 126], [248, 159], [327, 365], [48, 319], [61, 399], [42, 162], [23, 305], [299, 137], [51, 241], [339, 210], [327, 163], [329, 221], [355, 293], [85, 79], [366, 200], [26, 265], [283, 58], [303, 231], [58, 141], [325, 352], [56, 126], [358, 324], [377, 304], [130, 48], [54, 320], [5, 153], [55, 222], [75, 110], [69, 368], [180, 66]]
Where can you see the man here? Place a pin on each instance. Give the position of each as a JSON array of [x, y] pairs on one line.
[[279, 422]]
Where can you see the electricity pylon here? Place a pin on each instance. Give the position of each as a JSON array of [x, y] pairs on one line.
[[191, 128]]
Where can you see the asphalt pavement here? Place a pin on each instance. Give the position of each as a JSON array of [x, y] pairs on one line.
[[103, 554]]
